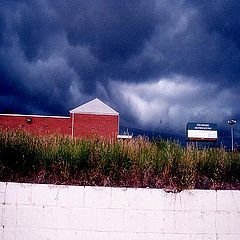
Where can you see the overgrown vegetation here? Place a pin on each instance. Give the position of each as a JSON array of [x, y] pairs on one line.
[[136, 163]]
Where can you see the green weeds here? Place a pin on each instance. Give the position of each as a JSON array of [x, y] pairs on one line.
[[135, 163]]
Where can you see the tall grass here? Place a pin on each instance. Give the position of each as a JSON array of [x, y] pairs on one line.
[[136, 163]]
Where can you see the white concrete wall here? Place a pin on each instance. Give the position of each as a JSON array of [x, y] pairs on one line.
[[34, 212]]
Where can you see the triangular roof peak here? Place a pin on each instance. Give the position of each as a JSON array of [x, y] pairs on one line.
[[95, 106]]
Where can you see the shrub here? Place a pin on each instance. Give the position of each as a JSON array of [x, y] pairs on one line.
[[135, 163]]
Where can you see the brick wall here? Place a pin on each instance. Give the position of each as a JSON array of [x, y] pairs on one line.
[[88, 125], [38, 125], [85, 125], [41, 211]]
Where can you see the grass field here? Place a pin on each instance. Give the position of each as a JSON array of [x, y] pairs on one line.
[[136, 163]]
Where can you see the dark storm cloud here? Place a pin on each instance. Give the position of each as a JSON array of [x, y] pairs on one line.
[[113, 30], [217, 23], [36, 29], [54, 55]]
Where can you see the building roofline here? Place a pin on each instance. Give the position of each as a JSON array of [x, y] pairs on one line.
[[94, 113], [26, 115], [92, 107]]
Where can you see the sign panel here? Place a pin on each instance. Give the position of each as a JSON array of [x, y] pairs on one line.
[[202, 131]]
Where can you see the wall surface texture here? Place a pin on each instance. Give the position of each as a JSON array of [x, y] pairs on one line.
[[31, 211], [40, 125], [84, 125], [95, 125]]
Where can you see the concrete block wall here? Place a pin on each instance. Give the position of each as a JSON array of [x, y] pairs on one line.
[[31, 211]]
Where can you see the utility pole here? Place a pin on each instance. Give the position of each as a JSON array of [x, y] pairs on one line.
[[159, 126]]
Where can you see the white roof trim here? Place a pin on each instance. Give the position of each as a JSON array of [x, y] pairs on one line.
[[124, 136], [23, 115], [95, 106], [94, 113]]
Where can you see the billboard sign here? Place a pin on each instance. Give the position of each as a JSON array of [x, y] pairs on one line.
[[202, 131]]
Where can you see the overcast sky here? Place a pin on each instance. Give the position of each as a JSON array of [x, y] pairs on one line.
[[157, 63]]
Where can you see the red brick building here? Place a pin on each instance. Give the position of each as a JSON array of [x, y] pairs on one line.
[[92, 119]]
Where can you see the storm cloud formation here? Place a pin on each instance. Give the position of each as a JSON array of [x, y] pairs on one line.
[[155, 62]]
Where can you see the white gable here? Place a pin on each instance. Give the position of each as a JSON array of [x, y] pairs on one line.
[[95, 106]]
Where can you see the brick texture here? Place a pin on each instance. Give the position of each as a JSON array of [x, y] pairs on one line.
[[93, 125], [39, 125], [85, 125]]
